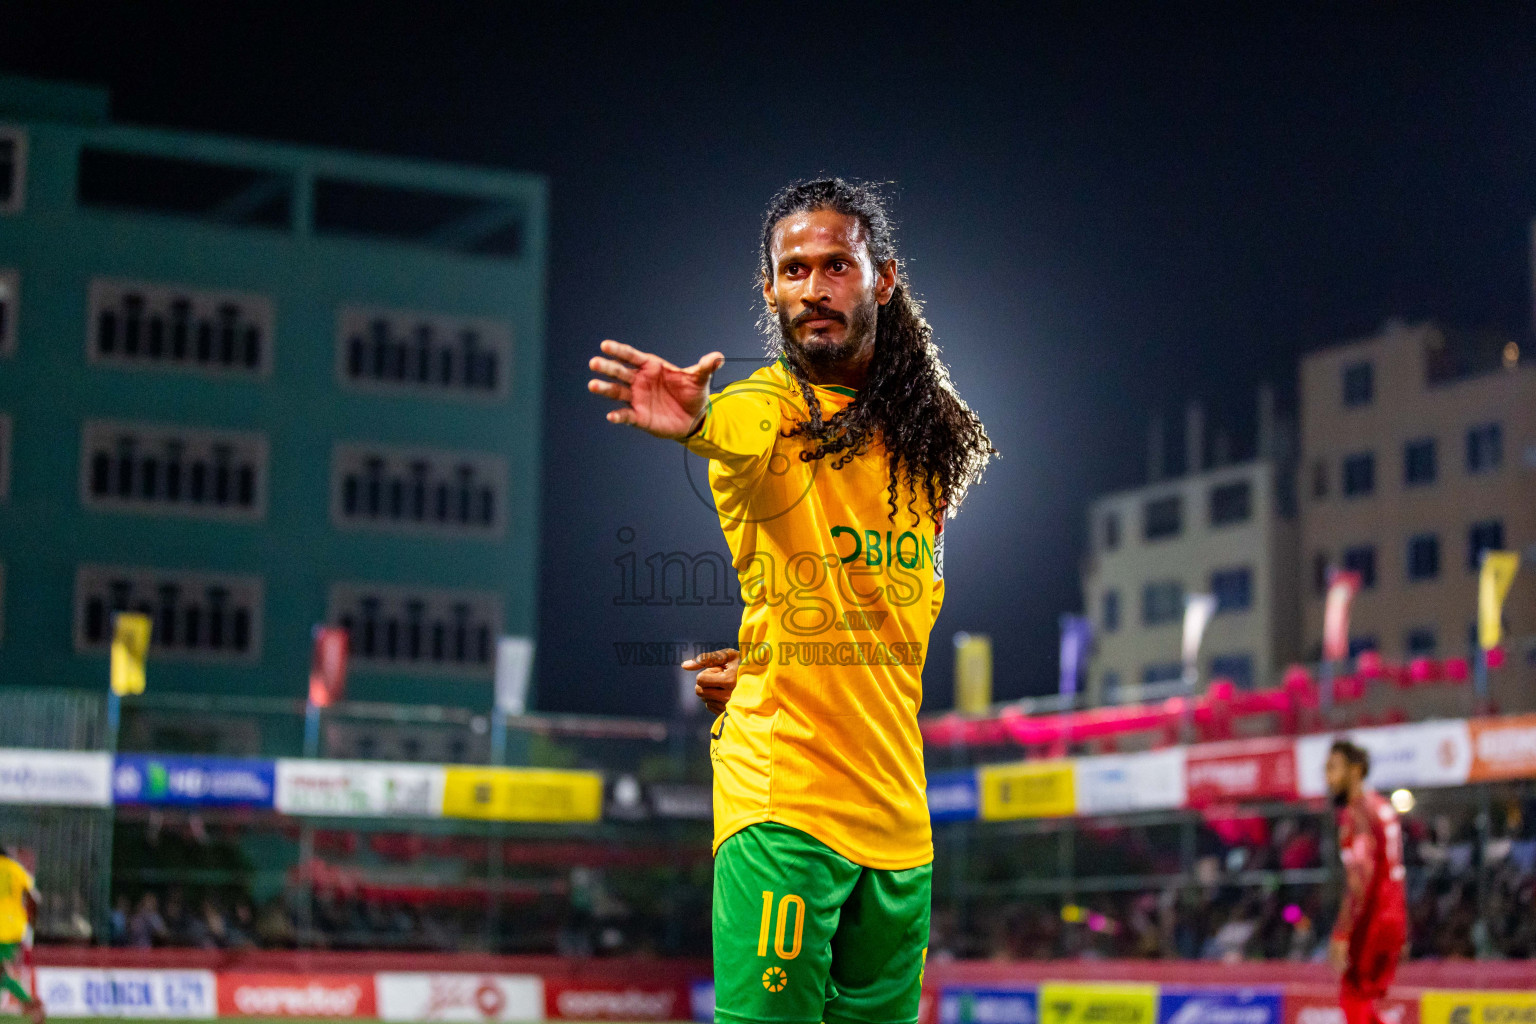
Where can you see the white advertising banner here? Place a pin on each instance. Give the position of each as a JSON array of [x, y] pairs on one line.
[[94, 992], [62, 778], [1130, 782], [1437, 753], [359, 788], [459, 997]]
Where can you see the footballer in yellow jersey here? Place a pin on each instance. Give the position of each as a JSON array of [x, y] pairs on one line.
[[833, 469], [18, 907]]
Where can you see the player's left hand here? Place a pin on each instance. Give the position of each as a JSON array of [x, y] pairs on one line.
[[717, 677], [1338, 955]]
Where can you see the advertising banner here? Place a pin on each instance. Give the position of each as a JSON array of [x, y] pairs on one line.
[[1503, 748], [1062, 1003], [370, 789], [593, 1002], [59, 778], [1319, 1004], [965, 1004], [1130, 782], [1450, 1007], [680, 800], [94, 992], [1240, 772], [1436, 753], [1214, 1005], [459, 997], [952, 796], [193, 781], [522, 794], [1033, 789], [296, 995]]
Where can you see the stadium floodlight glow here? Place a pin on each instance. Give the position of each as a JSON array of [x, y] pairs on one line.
[[1402, 801]]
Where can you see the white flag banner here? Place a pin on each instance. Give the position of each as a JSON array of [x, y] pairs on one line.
[[514, 663], [1198, 609]]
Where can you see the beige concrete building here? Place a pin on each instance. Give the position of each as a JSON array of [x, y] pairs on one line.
[[1418, 448], [1229, 531]]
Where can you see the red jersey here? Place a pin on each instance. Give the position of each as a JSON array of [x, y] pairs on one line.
[[1371, 846]]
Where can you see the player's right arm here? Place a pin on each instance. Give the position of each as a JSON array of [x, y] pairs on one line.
[[661, 399], [735, 428]]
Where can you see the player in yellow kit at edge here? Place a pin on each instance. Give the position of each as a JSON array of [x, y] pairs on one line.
[[18, 906], [833, 469]]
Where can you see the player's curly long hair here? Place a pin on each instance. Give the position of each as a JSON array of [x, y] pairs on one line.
[[932, 438]]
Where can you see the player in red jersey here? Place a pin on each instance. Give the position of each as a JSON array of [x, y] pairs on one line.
[[1372, 924]]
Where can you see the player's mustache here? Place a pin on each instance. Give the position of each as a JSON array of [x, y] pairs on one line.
[[818, 313]]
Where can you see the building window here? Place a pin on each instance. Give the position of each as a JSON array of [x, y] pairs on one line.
[[1359, 475], [1320, 573], [1423, 557], [1362, 560], [1110, 690], [1359, 385], [1485, 447], [434, 355], [202, 616], [1168, 672], [1231, 503], [1419, 462], [1487, 535], [1236, 667], [1420, 643], [180, 471], [1110, 618], [1111, 531], [418, 630], [1162, 518], [1233, 589], [1358, 645], [10, 288], [1162, 602], [168, 327], [5, 457], [419, 490], [13, 170]]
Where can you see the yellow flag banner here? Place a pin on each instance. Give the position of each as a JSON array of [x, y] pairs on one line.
[[130, 645], [1499, 568], [522, 794], [1030, 789], [973, 673]]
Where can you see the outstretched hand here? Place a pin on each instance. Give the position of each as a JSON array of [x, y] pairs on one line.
[[659, 398], [717, 678]]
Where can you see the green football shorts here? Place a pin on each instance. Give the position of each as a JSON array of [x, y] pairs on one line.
[[802, 934]]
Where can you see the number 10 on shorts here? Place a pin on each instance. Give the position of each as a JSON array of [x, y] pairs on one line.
[[789, 900]]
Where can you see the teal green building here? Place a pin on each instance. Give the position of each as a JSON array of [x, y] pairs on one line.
[[250, 388]]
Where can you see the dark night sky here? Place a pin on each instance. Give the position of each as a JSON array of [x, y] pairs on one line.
[[1106, 208]]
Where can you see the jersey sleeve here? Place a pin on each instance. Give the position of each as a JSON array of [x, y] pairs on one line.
[[739, 429], [938, 568]]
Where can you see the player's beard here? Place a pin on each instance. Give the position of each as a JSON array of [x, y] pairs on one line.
[[1340, 798], [862, 323]]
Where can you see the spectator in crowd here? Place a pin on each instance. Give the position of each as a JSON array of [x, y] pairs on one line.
[[147, 928]]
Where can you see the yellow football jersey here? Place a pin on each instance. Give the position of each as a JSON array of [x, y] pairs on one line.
[[821, 731], [15, 883]]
